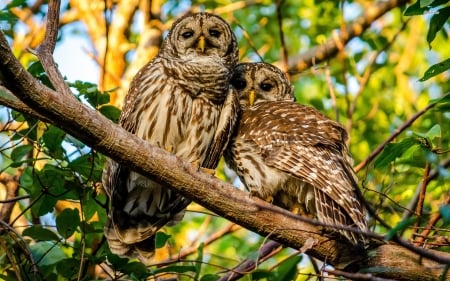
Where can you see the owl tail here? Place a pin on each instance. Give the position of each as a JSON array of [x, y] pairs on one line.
[[144, 249]]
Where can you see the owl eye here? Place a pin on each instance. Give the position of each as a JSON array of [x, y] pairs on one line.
[[187, 34], [266, 86], [239, 84], [214, 33]]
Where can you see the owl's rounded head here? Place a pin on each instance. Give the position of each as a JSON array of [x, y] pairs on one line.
[[257, 82], [201, 35]]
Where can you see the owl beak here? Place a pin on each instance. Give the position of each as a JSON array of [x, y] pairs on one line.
[[251, 97], [201, 43]]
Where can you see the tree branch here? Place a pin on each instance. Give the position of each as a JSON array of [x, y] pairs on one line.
[[330, 48]]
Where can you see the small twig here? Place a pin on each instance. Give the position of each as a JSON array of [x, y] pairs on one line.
[[433, 220], [332, 92], [368, 73], [433, 175], [18, 239], [397, 132], [229, 228], [283, 49], [15, 199], [423, 190], [250, 264], [249, 40], [329, 49]]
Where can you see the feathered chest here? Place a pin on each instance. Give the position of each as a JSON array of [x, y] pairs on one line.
[[169, 116]]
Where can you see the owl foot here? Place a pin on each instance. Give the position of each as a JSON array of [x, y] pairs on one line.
[[169, 148], [268, 199], [211, 172], [197, 166]]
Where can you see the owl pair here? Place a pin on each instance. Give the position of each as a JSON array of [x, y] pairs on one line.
[[187, 101]]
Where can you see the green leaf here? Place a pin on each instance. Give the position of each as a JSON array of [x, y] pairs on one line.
[[53, 139], [434, 132], [288, 269], [394, 150], [161, 239], [41, 234], [68, 268], [116, 261], [136, 269], [435, 70], [263, 274], [36, 68], [400, 227], [20, 151], [437, 22], [48, 187], [27, 178], [417, 8], [47, 253], [175, 268], [90, 91], [44, 206], [210, 277], [67, 222], [425, 3], [88, 165], [199, 259], [110, 112], [444, 210]]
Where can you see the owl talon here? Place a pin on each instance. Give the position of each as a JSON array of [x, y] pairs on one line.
[[211, 172], [268, 199]]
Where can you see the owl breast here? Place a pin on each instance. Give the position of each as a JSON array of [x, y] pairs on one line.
[[175, 120]]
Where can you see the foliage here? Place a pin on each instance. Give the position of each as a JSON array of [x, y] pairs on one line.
[[374, 86]]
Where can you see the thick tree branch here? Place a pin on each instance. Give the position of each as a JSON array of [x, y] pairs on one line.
[[100, 133], [330, 48]]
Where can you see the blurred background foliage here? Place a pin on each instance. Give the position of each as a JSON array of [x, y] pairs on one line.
[[53, 208]]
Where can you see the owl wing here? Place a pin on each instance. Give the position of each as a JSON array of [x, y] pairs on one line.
[[300, 141], [228, 120]]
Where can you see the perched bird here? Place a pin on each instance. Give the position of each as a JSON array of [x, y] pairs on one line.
[[180, 101], [291, 154]]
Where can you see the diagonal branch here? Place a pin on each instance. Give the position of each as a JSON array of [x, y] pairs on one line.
[[330, 48]]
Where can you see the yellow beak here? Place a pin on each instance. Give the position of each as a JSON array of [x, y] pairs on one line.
[[201, 43], [251, 97]]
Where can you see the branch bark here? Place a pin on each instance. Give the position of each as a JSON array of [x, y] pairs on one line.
[[100, 133], [330, 48]]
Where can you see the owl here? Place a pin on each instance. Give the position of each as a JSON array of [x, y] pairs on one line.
[[291, 154], [180, 101]]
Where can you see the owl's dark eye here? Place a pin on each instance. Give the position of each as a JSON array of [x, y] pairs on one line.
[[214, 32], [187, 34], [239, 84], [266, 86]]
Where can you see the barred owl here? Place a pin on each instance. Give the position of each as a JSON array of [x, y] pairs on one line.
[[291, 154], [180, 101]]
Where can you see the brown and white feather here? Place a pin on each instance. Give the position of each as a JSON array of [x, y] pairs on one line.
[[293, 154], [177, 102]]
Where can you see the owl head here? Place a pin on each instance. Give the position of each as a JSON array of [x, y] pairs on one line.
[[201, 35], [261, 81]]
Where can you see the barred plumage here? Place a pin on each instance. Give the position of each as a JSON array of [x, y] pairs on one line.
[[180, 101], [291, 154]]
